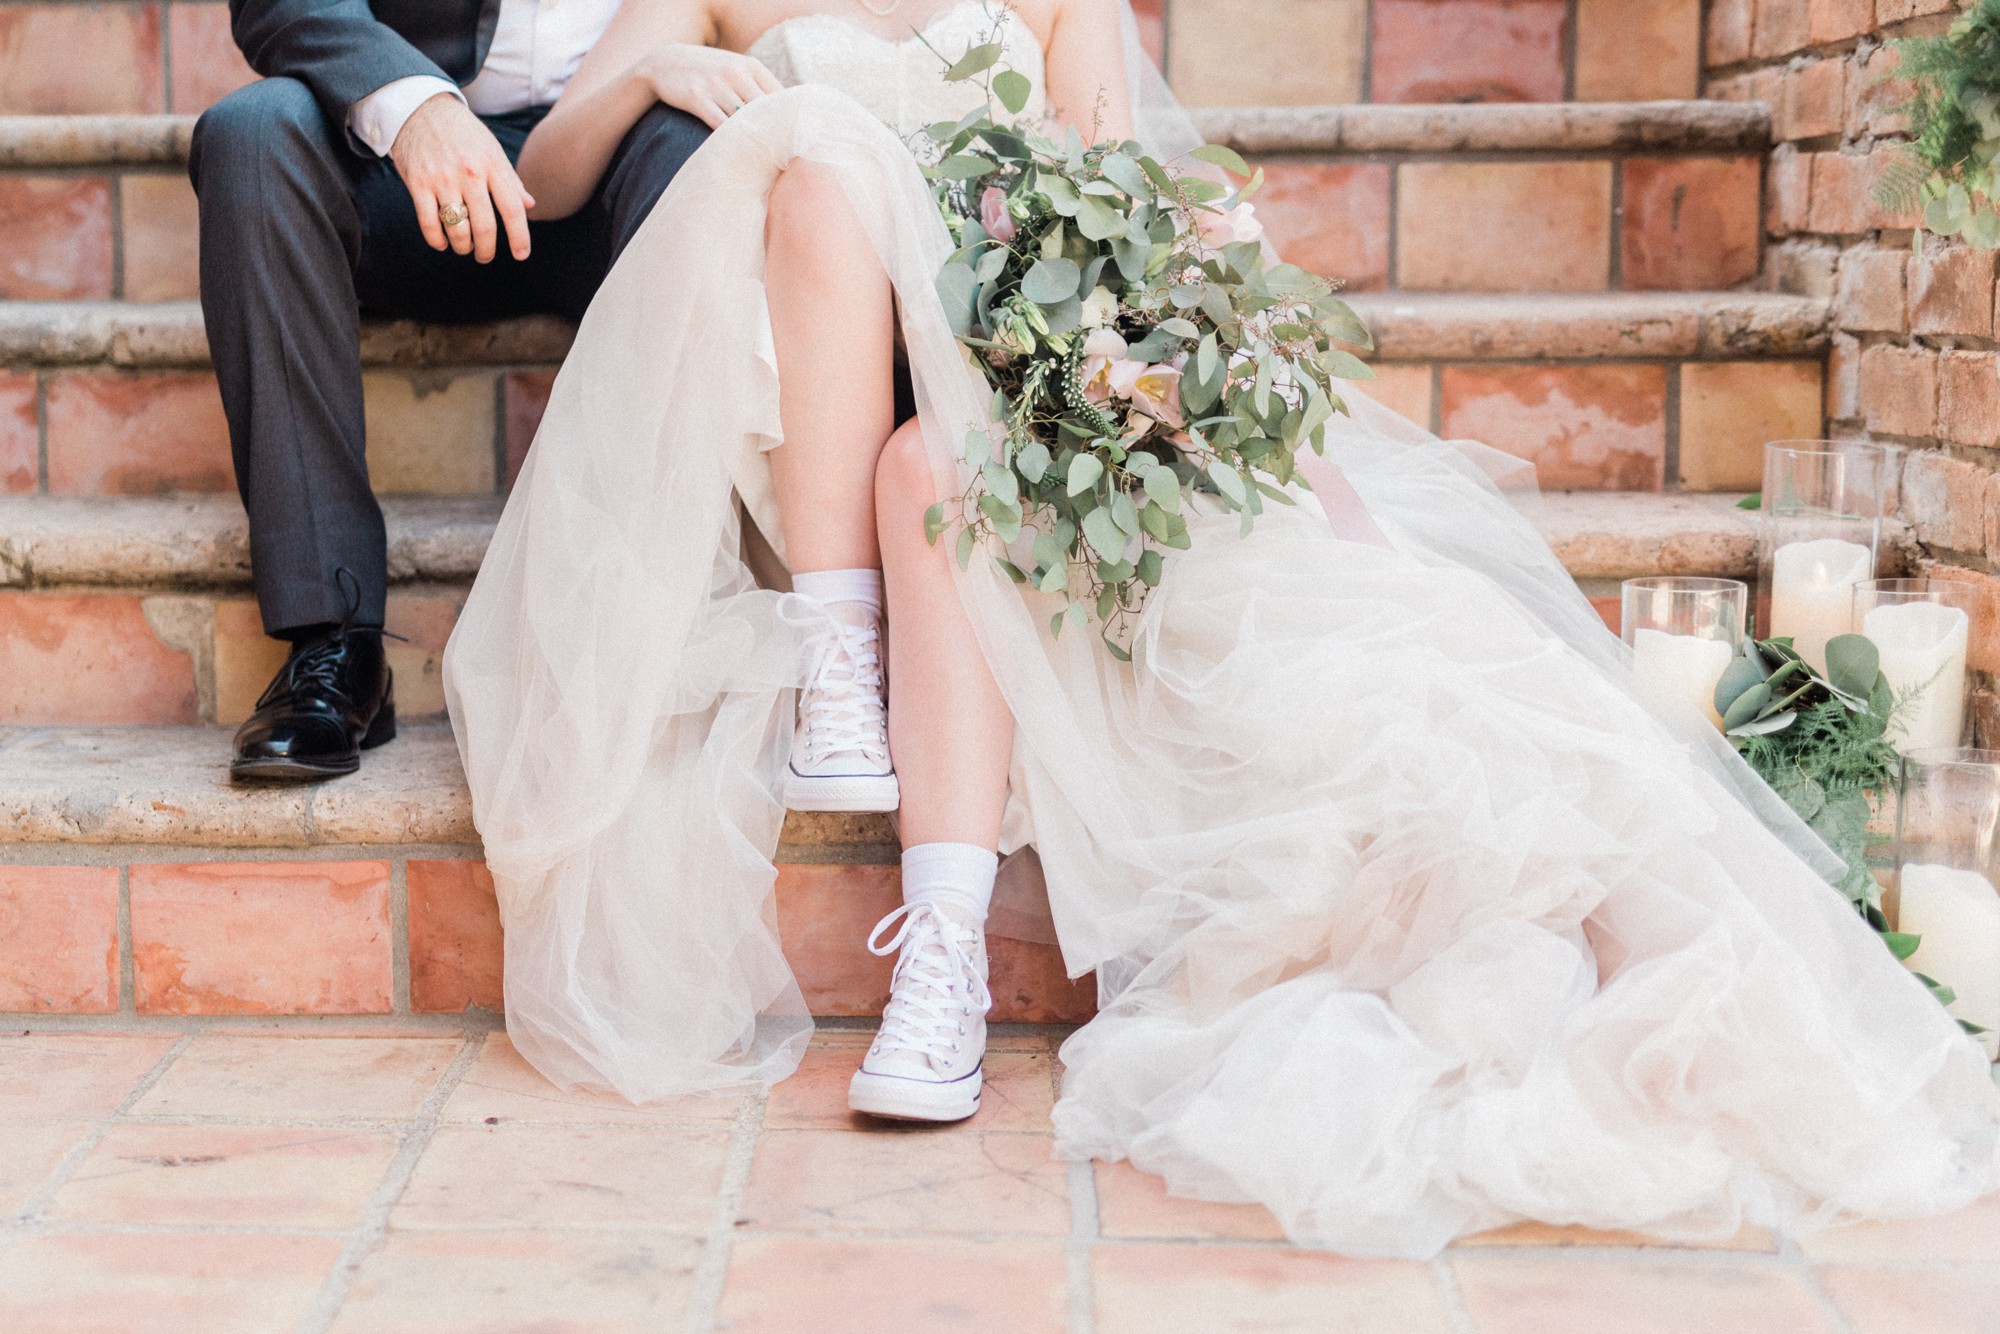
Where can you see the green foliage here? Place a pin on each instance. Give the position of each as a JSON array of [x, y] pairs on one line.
[[1146, 359], [1950, 170], [1820, 741]]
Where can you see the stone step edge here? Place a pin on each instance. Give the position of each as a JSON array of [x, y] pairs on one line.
[[69, 790], [193, 543], [1490, 127], [1407, 326]]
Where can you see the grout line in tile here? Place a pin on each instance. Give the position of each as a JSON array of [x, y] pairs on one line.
[[29, 1212], [1083, 1236], [128, 973], [374, 1224], [704, 1308], [399, 936]]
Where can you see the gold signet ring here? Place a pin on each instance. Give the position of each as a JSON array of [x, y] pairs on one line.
[[452, 214]]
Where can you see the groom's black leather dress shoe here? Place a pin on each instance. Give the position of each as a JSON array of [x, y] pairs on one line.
[[334, 698]]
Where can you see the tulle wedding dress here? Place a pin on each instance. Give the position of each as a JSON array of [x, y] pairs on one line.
[[1408, 920]]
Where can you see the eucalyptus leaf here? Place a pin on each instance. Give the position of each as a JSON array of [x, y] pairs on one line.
[[1051, 281], [1218, 156], [1901, 943], [966, 167], [1149, 568], [966, 539], [1084, 470], [1098, 220], [955, 287], [1127, 175], [976, 61], [1103, 533], [1013, 89], [1227, 481], [1746, 706], [1852, 663]]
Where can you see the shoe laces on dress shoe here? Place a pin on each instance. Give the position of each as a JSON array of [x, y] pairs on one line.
[[318, 665]]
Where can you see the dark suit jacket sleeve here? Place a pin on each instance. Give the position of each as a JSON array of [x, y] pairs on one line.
[[337, 48]]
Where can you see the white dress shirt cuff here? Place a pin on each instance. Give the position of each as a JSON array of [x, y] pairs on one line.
[[378, 118]]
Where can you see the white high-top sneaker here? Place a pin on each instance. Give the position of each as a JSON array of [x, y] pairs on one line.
[[840, 749], [924, 1064]]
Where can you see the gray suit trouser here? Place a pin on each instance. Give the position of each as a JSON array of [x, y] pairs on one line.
[[300, 233]]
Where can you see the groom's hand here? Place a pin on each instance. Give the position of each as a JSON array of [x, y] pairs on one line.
[[447, 157]]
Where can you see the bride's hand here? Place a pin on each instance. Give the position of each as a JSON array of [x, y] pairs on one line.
[[707, 83]]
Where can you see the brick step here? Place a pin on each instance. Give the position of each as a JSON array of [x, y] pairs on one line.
[[1612, 390], [134, 877], [1487, 197], [136, 610]]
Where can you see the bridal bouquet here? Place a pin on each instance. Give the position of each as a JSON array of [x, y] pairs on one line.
[[1820, 741], [1144, 357], [1952, 168]]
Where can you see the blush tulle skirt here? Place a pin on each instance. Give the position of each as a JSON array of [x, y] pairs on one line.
[[1407, 919]]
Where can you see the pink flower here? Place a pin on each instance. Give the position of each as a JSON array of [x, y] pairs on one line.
[[1103, 350], [1237, 224], [1154, 390], [994, 217]]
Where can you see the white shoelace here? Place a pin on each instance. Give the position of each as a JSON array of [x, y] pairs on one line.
[[936, 986], [842, 710]]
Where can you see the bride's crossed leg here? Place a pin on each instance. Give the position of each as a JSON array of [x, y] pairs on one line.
[[851, 490]]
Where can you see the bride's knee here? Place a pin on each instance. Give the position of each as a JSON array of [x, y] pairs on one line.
[[903, 477], [809, 212]]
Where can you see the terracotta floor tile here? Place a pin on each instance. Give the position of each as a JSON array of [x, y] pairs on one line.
[[1131, 1203], [1904, 1301], [521, 1283], [154, 1284], [1513, 1294], [29, 1152], [907, 1181], [49, 1076], [502, 1084], [803, 1285], [1548, 1234], [1969, 1235], [1017, 1094], [303, 1078], [1227, 1290], [250, 1176], [663, 1177]]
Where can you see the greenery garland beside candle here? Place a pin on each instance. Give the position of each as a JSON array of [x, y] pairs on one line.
[[1821, 742]]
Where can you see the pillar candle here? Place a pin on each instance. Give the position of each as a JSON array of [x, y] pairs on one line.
[[1684, 667], [1812, 593], [1923, 650], [1958, 915]]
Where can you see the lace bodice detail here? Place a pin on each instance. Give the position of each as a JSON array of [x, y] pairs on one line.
[[902, 82]]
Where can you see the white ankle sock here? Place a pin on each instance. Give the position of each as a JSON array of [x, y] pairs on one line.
[[954, 876], [829, 587]]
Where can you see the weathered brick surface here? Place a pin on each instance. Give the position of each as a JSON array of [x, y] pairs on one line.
[[1969, 397], [1871, 293], [1812, 101], [1951, 291], [1899, 390], [1946, 501]]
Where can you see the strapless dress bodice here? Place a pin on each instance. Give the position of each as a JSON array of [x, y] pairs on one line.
[[902, 82]]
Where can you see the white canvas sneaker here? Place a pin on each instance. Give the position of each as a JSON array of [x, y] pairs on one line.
[[924, 1064], [840, 749]]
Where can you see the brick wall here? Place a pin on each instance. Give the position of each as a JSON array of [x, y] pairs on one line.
[[1915, 362], [176, 55]]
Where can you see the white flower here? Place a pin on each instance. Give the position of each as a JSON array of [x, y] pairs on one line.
[[1099, 308]]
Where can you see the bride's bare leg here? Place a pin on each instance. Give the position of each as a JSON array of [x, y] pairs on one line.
[[951, 731], [832, 316]]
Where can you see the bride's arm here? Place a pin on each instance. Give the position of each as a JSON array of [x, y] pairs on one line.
[[1086, 59], [653, 51]]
